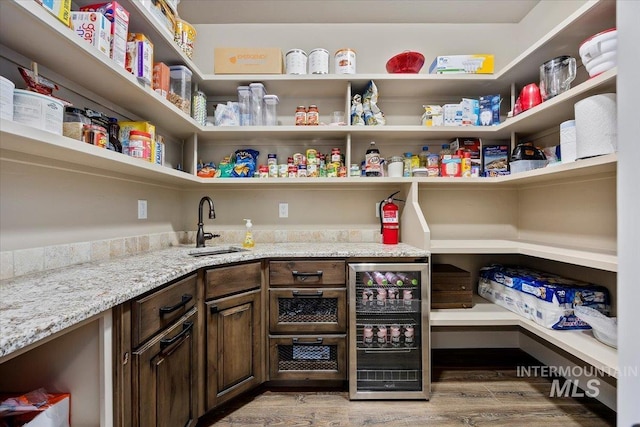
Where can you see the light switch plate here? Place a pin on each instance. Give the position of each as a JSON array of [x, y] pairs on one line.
[[283, 210], [142, 209]]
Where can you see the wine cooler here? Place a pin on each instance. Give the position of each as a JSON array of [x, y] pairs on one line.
[[389, 331]]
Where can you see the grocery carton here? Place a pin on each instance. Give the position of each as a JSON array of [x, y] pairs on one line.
[[162, 14], [61, 9], [239, 60], [471, 64], [161, 78], [93, 27], [495, 160], [119, 19], [140, 57], [472, 145], [126, 127]]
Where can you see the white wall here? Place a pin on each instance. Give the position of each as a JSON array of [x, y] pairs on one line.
[[628, 17]]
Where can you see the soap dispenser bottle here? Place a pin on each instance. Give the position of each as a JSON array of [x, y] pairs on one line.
[[248, 236]]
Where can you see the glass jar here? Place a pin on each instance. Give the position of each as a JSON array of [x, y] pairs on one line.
[[301, 115], [74, 121], [313, 115]]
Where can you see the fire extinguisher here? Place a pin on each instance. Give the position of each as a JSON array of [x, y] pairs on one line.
[[389, 220]]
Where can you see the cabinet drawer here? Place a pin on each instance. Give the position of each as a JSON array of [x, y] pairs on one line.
[[308, 310], [321, 357], [230, 280], [307, 273], [154, 312]]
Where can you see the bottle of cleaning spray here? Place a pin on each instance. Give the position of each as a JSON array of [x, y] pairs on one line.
[[248, 237]]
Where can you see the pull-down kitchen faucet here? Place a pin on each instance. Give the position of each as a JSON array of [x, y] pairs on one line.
[[201, 236]]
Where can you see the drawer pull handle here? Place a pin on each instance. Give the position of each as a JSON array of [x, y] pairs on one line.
[[170, 309], [297, 341], [304, 276], [166, 342], [317, 294]]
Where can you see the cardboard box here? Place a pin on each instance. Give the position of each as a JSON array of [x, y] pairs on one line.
[[495, 160], [61, 9], [239, 60], [140, 57], [161, 78], [126, 127], [93, 27], [455, 64], [119, 19], [471, 145]]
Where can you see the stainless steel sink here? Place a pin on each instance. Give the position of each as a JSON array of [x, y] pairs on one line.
[[217, 251]]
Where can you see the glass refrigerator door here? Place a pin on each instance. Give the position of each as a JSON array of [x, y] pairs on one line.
[[389, 331]]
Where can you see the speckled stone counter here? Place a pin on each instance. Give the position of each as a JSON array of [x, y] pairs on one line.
[[36, 306]]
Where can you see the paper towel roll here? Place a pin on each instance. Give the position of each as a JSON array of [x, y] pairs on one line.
[[596, 126], [568, 141]]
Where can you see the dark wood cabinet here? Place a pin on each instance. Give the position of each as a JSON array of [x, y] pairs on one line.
[[307, 321], [235, 358], [165, 377], [158, 349]]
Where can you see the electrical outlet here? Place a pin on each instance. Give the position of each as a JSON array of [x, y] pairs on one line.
[[377, 209], [283, 210], [142, 209]]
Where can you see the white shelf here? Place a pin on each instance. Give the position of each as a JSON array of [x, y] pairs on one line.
[[581, 344], [603, 260], [78, 155], [69, 55]]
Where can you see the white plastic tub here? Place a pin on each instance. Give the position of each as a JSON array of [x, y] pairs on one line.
[[6, 98], [599, 52], [38, 111]]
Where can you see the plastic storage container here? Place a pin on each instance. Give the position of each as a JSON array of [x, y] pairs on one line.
[[74, 122], [38, 111], [257, 103], [270, 110], [180, 87], [6, 98], [244, 105]]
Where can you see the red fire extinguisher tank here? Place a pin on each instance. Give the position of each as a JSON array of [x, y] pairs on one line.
[[390, 220]]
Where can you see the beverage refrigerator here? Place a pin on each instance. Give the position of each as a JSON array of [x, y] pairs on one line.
[[389, 331]]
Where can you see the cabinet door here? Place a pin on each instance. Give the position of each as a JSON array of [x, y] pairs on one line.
[[234, 346], [164, 379]]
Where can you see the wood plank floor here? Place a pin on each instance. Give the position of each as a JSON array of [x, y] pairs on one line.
[[461, 396]]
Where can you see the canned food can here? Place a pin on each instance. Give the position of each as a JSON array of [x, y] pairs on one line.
[[263, 171], [312, 156], [407, 296], [94, 135], [283, 170], [272, 159], [273, 170], [302, 171], [319, 61], [296, 61], [292, 171], [345, 61], [381, 297], [312, 170]]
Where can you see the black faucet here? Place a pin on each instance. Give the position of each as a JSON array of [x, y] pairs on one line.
[[201, 236]]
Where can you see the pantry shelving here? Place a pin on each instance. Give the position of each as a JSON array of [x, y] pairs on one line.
[[580, 344]]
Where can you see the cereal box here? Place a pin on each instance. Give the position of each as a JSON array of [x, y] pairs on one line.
[[61, 9], [140, 57], [93, 27], [119, 19]]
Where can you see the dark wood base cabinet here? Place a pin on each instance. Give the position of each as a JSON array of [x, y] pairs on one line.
[[234, 342], [164, 377]]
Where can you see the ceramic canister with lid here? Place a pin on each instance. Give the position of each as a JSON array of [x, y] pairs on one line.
[[296, 61]]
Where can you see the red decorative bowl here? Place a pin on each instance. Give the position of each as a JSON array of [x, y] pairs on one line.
[[406, 62]]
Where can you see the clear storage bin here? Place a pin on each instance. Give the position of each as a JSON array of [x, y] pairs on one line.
[[257, 103], [244, 105], [180, 87], [270, 110]]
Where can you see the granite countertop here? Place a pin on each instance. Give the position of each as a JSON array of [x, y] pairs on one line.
[[36, 306]]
